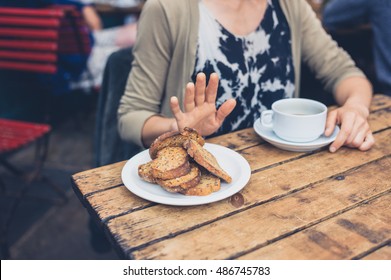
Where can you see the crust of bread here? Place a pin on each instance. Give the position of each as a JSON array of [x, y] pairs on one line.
[[184, 182], [170, 166], [145, 172], [170, 163], [173, 190], [174, 139], [206, 159], [207, 185]]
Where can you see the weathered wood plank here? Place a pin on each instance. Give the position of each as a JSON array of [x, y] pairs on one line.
[[342, 237], [263, 186], [102, 191], [294, 174], [383, 253], [238, 140], [380, 119], [116, 201], [380, 101], [106, 177], [259, 225], [98, 179], [261, 156]]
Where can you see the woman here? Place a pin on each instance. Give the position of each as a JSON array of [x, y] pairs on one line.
[[255, 47]]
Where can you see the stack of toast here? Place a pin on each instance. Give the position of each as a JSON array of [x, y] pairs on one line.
[[180, 164]]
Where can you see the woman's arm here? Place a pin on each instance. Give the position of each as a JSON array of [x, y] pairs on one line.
[[145, 87], [337, 70], [155, 126], [354, 94]]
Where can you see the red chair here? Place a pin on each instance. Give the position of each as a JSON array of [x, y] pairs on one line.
[[31, 39], [14, 136]]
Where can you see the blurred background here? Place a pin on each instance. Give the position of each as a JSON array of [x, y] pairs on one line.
[[51, 71], [46, 225]]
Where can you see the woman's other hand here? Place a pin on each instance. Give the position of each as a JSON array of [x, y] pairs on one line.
[[199, 106], [354, 94], [355, 131]]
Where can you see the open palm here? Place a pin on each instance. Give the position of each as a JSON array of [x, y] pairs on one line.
[[199, 105]]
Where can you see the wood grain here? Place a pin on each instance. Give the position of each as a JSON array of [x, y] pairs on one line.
[[263, 186], [383, 253], [106, 177], [261, 225], [342, 237], [115, 202], [98, 179], [313, 205]]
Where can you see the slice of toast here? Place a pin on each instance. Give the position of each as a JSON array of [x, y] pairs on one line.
[[206, 159], [173, 190], [184, 182], [174, 139], [207, 185], [145, 172], [170, 163]]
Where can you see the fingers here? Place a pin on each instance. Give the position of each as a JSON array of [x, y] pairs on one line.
[[225, 109], [176, 110], [355, 131], [201, 92], [330, 123], [359, 134], [200, 89], [355, 140], [211, 89], [368, 142], [189, 103], [346, 130], [355, 135]]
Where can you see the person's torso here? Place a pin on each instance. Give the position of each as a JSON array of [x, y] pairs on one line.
[[256, 69]]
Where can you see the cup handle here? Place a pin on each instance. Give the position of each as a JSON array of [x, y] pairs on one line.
[[267, 118]]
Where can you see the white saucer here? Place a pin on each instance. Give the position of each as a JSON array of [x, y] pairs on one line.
[[268, 135]]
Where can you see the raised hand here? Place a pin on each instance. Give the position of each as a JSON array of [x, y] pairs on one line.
[[199, 105]]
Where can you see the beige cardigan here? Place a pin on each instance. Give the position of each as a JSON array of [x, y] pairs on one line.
[[165, 49]]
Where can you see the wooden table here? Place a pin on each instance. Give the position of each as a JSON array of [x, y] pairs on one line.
[[314, 205]]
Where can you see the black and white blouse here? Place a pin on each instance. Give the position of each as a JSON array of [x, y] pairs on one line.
[[256, 69]]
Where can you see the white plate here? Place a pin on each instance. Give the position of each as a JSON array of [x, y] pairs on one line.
[[232, 162], [268, 135]]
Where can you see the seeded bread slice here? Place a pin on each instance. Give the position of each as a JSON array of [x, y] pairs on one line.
[[187, 181], [174, 139], [145, 172], [170, 163], [207, 185], [206, 159], [173, 190]]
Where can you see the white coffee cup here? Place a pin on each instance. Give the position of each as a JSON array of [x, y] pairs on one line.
[[296, 119]]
